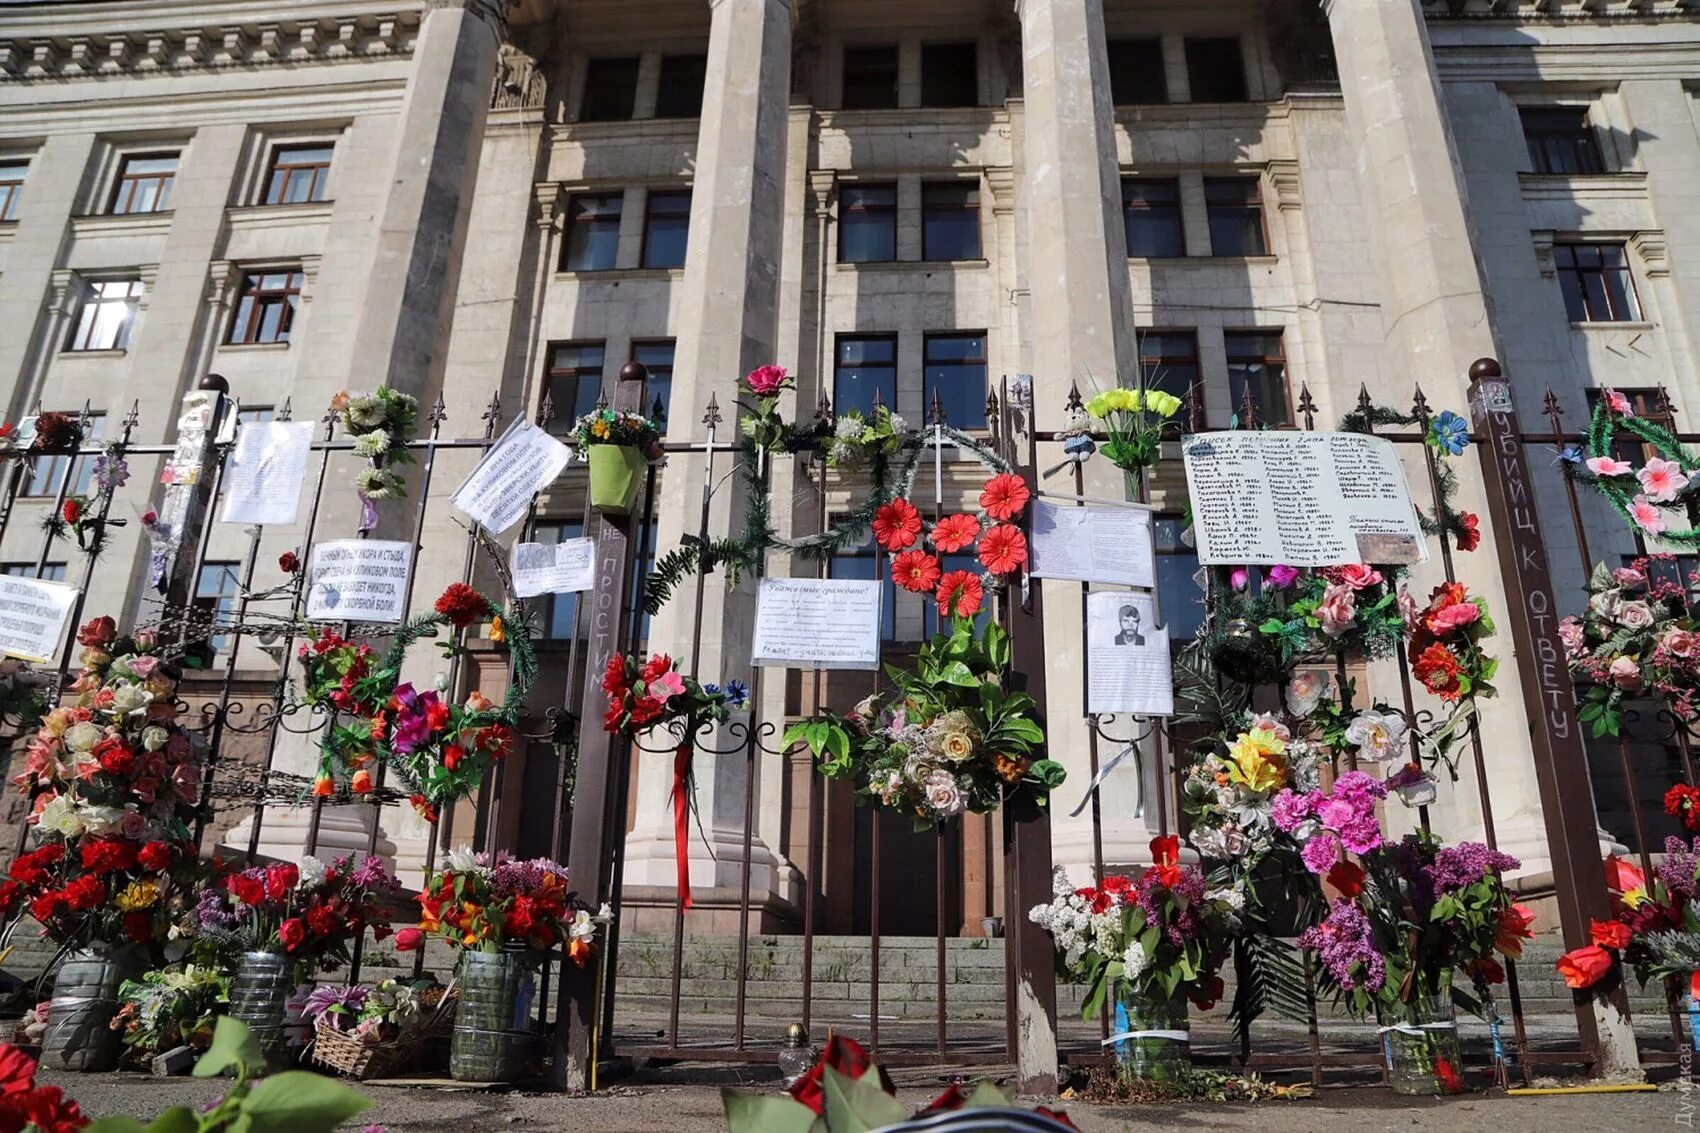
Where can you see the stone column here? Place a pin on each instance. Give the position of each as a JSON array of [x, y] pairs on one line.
[[1079, 331], [408, 306], [727, 325], [1438, 321]]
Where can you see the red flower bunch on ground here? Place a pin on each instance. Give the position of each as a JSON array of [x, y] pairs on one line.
[[462, 605], [25, 1105], [310, 912], [1445, 650]]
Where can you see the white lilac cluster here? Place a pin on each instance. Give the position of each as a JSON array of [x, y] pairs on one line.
[[1073, 925]]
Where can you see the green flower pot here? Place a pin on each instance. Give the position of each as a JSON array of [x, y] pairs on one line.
[[616, 473]]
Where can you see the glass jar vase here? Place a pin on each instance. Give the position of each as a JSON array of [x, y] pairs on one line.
[[1422, 1049], [1150, 1038]]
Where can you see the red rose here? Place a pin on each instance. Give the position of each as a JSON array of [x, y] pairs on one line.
[[114, 755], [247, 889], [1204, 998], [155, 856], [293, 933], [288, 562], [658, 665], [1610, 934], [452, 755], [1584, 967], [281, 880], [1347, 878], [322, 919], [409, 940], [72, 510], [97, 631]]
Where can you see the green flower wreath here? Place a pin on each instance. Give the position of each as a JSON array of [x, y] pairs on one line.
[[1627, 489]]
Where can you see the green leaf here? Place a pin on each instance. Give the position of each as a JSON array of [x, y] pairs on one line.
[[119, 1125], [956, 673], [987, 1095], [1049, 772], [233, 1046], [856, 1105], [765, 1113], [298, 1102], [177, 1119]]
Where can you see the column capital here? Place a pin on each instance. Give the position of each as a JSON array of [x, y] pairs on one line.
[[494, 12]]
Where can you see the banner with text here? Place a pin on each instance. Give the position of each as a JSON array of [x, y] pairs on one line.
[[818, 623], [32, 617], [359, 580]]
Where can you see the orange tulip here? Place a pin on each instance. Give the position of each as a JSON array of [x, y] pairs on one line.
[[323, 787]]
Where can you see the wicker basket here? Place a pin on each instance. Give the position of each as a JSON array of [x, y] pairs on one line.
[[346, 1054]]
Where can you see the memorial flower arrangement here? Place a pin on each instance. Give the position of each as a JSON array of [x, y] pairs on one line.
[[1637, 638], [1000, 546], [1354, 608], [858, 438], [311, 912], [1654, 927], [1445, 647], [651, 694], [1229, 793], [56, 433], [1134, 420], [171, 1007], [375, 1014], [947, 738], [612, 427], [761, 422], [1654, 498], [379, 424], [115, 782], [481, 903]]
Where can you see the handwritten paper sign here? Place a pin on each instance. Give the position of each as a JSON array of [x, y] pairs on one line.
[[359, 580], [1093, 544], [819, 623], [32, 617], [265, 474], [1304, 499], [1127, 656], [523, 462], [553, 568]]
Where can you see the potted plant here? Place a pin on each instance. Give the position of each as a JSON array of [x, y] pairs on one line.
[[115, 782], [502, 917], [619, 447]]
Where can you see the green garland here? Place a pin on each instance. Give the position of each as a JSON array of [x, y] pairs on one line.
[[1450, 521], [1603, 430]]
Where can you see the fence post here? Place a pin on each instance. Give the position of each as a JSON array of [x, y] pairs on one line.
[[1555, 735], [594, 826], [187, 476]]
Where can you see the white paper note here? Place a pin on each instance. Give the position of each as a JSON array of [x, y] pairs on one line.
[[359, 580], [818, 623], [1127, 656], [262, 484], [1093, 544], [1303, 499], [553, 568], [32, 617], [522, 462]]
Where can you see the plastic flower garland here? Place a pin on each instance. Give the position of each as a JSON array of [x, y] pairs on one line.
[[484, 904], [1636, 638], [1445, 649], [1134, 420], [439, 750], [1647, 497], [116, 781], [380, 424], [1164, 933], [312, 912]]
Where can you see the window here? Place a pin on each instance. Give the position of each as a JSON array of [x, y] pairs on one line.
[[1151, 209], [1179, 597], [215, 597], [950, 74], [144, 183], [47, 473], [50, 572], [1168, 360], [954, 367], [1596, 284], [593, 232], [255, 415], [682, 80], [610, 90], [1647, 405], [1235, 206], [574, 382], [1215, 70], [1257, 365], [862, 560], [107, 313], [658, 357], [866, 364], [299, 174], [870, 78], [12, 175], [1561, 141], [560, 611], [666, 226], [950, 221], [1136, 72], [266, 309], [1676, 570], [867, 224]]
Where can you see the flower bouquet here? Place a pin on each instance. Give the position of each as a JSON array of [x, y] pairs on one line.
[[365, 1032], [618, 446], [1654, 927], [761, 422], [380, 424], [56, 433], [859, 439], [1229, 793], [173, 1007], [1134, 420], [1637, 638], [1148, 942], [1353, 608], [1445, 649], [1662, 487]]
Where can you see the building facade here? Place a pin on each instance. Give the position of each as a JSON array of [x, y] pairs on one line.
[[1238, 200]]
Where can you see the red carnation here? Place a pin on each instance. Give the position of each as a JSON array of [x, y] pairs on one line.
[[105, 855], [10, 894], [155, 856], [114, 755], [1610, 934], [72, 510], [462, 605], [47, 906], [293, 933], [85, 893]]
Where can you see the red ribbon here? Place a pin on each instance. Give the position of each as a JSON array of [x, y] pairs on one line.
[[681, 821]]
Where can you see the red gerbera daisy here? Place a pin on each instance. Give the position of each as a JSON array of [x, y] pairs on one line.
[[1004, 496], [915, 571], [897, 525], [960, 594], [954, 532], [1003, 549]]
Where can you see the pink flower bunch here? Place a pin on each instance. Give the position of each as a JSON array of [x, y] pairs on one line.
[[1637, 637], [1327, 822]]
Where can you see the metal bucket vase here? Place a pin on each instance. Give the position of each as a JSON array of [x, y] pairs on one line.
[[259, 995], [1153, 1042], [492, 1035], [85, 998], [616, 473]]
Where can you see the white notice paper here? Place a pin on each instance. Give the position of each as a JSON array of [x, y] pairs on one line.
[[553, 568], [522, 462], [1127, 656], [818, 623], [264, 478], [359, 580], [1093, 544], [32, 617], [1303, 499]]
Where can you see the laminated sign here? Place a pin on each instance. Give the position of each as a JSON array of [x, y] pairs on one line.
[[359, 580], [32, 617]]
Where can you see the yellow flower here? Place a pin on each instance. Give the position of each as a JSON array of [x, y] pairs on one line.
[[138, 895], [1635, 897], [1257, 761], [498, 633], [957, 746], [1099, 406], [599, 428], [1162, 403]]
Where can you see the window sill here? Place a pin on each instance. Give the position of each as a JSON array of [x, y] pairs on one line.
[[928, 266], [122, 224], [7, 228], [1605, 324], [115, 352], [619, 275], [1204, 261], [256, 346], [279, 216]]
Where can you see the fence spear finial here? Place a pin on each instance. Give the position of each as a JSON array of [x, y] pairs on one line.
[[1365, 403], [1419, 406], [1074, 401], [546, 408], [1307, 406], [712, 417], [286, 412], [1248, 407], [1662, 403], [935, 415]]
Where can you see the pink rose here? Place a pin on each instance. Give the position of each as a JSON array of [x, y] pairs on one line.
[[1570, 632], [1625, 673], [132, 826], [765, 381], [1679, 643], [1358, 576], [1635, 615], [1453, 617], [1339, 608], [1407, 608], [1628, 577], [144, 665], [1282, 576]]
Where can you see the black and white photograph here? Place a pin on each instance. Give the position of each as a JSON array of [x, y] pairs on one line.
[[1127, 655]]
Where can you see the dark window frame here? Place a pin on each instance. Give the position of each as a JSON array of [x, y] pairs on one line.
[[839, 365], [870, 95], [50, 572], [563, 416], [1171, 185], [14, 175], [1136, 86], [1244, 357], [931, 208], [976, 421], [1155, 359], [591, 109], [845, 209], [257, 299], [1168, 545], [1574, 276], [1239, 209], [1559, 136], [1204, 45], [282, 173], [93, 301], [217, 599], [660, 373], [943, 93], [576, 223], [129, 184], [649, 215], [670, 102]]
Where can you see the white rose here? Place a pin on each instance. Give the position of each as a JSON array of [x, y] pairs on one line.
[[1305, 691], [154, 737], [128, 698], [99, 819], [60, 817], [82, 736], [943, 794]]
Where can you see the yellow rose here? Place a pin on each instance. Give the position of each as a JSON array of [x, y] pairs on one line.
[[138, 895], [957, 746]]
